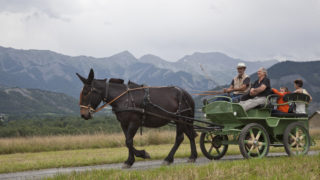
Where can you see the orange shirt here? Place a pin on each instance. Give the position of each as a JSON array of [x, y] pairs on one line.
[[282, 108]]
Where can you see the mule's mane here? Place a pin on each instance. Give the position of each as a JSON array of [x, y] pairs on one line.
[[133, 84], [117, 81], [121, 81]]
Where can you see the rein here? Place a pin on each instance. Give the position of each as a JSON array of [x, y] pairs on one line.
[[116, 98], [206, 93]]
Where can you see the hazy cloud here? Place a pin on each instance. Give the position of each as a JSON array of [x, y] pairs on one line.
[[252, 30]]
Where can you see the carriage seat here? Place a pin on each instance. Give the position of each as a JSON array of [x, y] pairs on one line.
[[291, 100]]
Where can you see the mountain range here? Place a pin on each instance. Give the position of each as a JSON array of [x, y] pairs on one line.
[[47, 75], [47, 70]]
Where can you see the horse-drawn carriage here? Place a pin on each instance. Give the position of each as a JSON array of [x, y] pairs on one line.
[[255, 130], [227, 123]]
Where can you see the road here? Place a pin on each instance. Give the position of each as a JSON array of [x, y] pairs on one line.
[[140, 165]]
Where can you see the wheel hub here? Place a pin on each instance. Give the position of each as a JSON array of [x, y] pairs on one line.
[[216, 142]]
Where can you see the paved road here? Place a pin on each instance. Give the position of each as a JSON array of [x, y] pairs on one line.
[[38, 174]]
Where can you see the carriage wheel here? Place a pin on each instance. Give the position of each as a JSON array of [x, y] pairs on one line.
[[296, 139], [254, 141], [211, 145]]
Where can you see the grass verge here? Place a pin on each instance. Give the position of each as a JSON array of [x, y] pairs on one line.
[[72, 142], [302, 167]]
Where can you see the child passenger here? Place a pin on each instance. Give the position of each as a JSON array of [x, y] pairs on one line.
[[283, 91]]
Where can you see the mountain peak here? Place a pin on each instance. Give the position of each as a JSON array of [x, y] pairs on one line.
[[150, 57], [207, 58], [124, 54]]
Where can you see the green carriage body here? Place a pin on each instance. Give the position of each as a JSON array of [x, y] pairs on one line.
[[233, 119]]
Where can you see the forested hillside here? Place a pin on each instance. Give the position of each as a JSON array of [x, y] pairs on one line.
[[15, 101]]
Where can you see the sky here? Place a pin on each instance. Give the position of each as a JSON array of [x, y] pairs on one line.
[[247, 29]]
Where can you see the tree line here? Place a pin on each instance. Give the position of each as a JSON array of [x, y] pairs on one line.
[[35, 125]]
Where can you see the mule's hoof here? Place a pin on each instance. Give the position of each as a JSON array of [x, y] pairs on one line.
[[191, 160], [126, 166], [147, 155], [166, 163]]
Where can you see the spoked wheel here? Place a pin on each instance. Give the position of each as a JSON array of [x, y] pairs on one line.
[[296, 139], [211, 145], [254, 141]]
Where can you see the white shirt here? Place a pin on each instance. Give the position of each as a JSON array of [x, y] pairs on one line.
[[301, 107]]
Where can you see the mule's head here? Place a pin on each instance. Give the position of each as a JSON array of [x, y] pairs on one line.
[[91, 95]]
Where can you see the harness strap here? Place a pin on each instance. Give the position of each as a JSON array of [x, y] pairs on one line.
[[172, 120], [116, 98]]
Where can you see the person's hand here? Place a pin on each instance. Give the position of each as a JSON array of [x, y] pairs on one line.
[[229, 90], [224, 90], [252, 92]]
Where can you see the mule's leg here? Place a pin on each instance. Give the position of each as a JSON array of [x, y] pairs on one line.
[[191, 134], [141, 153], [179, 139], [129, 131]]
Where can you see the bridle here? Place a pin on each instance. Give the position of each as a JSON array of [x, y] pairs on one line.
[[89, 107]]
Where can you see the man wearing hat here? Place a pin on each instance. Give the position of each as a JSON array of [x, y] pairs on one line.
[[240, 84]]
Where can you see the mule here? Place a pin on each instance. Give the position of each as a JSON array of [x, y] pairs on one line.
[[133, 104]]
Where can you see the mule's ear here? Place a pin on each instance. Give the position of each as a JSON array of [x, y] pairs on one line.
[[90, 76], [84, 80]]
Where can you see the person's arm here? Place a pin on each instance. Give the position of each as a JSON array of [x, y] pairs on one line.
[[298, 91], [306, 92], [277, 92], [242, 88], [264, 84], [230, 89], [255, 91], [227, 90]]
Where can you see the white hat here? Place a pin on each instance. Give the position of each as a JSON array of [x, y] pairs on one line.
[[241, 65]]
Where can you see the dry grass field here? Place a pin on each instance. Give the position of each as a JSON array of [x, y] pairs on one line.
[[93, 141]]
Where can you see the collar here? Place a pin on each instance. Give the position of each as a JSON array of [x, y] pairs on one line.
[[241, 76]]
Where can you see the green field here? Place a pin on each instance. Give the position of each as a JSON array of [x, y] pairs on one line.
[[303, 167], [83, 157]]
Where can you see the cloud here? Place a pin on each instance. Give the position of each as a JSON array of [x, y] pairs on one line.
[[251, 30], [35, 7]]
